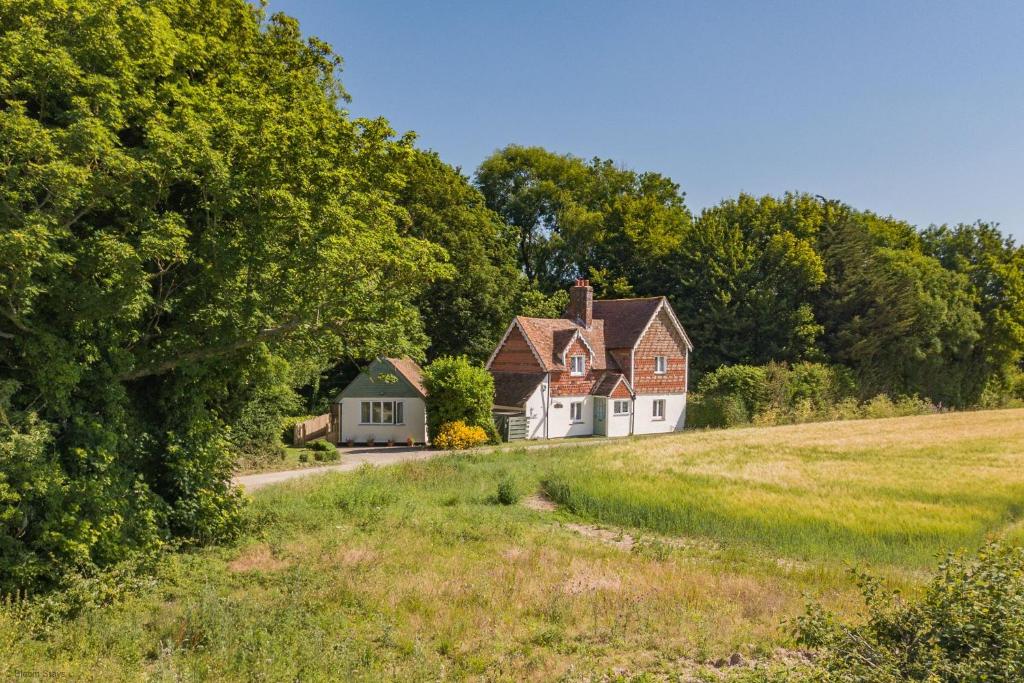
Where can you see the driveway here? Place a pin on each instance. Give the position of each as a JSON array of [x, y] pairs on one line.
[[354, 458]]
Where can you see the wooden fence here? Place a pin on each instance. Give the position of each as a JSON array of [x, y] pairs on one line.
[[318, 427]]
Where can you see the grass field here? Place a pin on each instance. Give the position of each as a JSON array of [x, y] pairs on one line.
[[665, 554]]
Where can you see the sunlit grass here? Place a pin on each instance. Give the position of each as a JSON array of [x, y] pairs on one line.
[[412, 573]]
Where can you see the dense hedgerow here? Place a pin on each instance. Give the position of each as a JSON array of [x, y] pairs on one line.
[[782, 394], [968, 626]]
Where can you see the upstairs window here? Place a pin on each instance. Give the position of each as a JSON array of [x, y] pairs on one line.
[[576, 366], [660, 365]]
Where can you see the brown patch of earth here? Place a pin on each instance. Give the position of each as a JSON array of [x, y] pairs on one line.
[[540, 503], [258, 558]]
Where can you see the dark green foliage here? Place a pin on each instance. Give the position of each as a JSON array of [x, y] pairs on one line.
[[994, 268], [185, 208], [468, 313], [459, 390], [304, 456], [508, 491], [741, 394], [576, 218], [744, 278], [321, 445], [968, 626]]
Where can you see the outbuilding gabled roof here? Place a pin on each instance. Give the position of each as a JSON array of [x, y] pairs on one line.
[[410, 371]]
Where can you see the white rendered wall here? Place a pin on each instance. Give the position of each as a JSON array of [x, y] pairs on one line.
[[559, 417], [675, 414], [415, 416], [535, 411], [618, 425]]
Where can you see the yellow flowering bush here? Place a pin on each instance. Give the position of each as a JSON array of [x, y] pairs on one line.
[[458, 435]]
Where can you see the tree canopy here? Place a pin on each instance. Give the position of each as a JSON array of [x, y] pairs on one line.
[[182, 195]]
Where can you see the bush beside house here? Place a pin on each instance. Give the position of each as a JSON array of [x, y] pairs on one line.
[[459, 391]]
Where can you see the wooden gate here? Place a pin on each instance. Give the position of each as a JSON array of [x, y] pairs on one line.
[[517, 427]]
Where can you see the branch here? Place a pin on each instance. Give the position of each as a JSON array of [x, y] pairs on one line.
[[16, 321], [213, 352]]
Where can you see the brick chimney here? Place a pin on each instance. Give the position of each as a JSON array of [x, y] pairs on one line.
[[581, 303]]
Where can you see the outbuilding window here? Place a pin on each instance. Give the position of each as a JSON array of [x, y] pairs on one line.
[[658, 412], [381, 413], [621, 408], [577, 366]]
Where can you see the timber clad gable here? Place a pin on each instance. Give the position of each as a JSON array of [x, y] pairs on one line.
[[660, 339], [515, 354]]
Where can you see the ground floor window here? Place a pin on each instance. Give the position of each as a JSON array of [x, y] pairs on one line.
[[381, 413], [576, 411], [659, 409], [622, 407]]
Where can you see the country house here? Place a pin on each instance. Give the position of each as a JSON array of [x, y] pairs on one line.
[[608, 367]]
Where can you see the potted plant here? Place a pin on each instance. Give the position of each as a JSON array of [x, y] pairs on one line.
[[370, 441], [350, 442], [409, 442], [391, 442]]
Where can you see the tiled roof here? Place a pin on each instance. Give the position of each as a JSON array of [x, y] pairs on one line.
[[513, 388], [411, 371], [606, 384], [625, 319], [550, 337], [617, 324]]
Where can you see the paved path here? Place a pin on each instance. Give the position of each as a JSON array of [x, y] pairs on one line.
[[353, 460]]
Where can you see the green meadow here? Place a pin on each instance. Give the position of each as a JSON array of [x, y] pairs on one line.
[[654, 556]]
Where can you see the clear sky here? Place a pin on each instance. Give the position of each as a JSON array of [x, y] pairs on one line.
[[914, 109]]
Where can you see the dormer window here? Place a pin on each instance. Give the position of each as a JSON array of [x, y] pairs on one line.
[[660, 365], [576, 366]]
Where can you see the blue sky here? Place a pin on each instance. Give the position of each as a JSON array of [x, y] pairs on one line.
[[914, 109]]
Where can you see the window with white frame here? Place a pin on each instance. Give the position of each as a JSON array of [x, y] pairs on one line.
[[658, 411], [576, 411], [381, 413], [621, 408], [576, 366], [660, 365]]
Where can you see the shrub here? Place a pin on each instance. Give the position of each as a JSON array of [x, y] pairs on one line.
[[968, 626], [458, 435], [304, 456], [508, 491], [459, 391], [320, 445]]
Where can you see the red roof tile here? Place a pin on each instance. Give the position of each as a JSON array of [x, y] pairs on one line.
[[411, 371]]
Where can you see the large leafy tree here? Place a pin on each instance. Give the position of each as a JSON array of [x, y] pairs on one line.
[[994, 267], [577, 218], [744, 279], [467, 313], [905, 324], [180, 196]]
